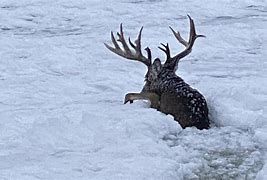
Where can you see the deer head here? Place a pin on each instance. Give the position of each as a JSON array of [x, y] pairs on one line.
[[153, 69]]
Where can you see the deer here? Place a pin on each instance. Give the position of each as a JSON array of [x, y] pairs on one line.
[[166, 91]]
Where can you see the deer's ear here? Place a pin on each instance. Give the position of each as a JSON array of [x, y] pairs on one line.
[[157, 65], [154, 70]]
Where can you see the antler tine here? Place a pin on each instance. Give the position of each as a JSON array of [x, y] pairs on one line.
[[137, 47], [148, 53], [179, 37], [117, 49], [125, 51], [138, 42], [166, 50], [122, 40], [114, 41]]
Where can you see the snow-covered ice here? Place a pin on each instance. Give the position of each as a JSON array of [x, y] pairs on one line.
[[61, 102]]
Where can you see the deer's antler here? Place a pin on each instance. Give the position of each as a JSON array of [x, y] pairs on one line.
[[188, 44], [166, 49], [126, 52]]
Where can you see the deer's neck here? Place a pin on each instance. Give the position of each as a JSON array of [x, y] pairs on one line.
[[167, 81]]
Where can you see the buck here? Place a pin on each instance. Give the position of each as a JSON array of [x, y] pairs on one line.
[[166, 91]]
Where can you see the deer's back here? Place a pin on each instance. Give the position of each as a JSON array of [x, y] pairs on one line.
[[187, 105]]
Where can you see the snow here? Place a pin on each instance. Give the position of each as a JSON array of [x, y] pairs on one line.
[[61, 102]]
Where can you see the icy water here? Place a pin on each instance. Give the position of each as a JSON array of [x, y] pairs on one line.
[[61, 110]]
